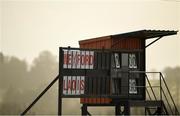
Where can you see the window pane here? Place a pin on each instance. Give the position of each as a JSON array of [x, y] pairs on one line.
[[117, 62], [132, 61], [124, 59], [112, 61]]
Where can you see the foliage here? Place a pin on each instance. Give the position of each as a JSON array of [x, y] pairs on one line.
[[20, 84]]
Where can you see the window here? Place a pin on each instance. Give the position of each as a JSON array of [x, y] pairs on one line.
[[132, 86], [117, 61], [132, 61], [124, 59], [112, 61]]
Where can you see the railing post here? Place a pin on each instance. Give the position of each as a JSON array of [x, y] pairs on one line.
[[161, 92], [160, 86]]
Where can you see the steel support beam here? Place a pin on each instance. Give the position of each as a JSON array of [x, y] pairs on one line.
[[118, 110], [84, 110], [127, 108], [153, 42], [40, 95]]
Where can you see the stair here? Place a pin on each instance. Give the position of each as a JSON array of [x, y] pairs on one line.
[[152, 107], [158, 110], [167, 105], [161, 104]]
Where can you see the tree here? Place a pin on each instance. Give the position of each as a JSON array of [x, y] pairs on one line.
[[1, 63], [172, 76], [1, 57], [13, 72], [12, 77], [44, 69], [19, 87]]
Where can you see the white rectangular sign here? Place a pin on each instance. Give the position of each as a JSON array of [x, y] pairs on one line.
[[117, 62], [73, 85], [76, 59], [132, 86]]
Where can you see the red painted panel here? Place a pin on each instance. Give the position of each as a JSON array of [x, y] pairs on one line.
[[108, 42]]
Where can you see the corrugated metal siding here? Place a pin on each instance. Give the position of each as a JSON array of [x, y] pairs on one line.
[[97, 43], [108, 42], [130, 43]]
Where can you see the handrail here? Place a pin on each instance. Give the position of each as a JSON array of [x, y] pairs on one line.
[[165, 109], [148, 94], [167, 101], [151, 87], [161, 89], [176, 111]]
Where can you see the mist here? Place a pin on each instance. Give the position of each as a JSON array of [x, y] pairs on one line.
[[21, 83], [30, 26]]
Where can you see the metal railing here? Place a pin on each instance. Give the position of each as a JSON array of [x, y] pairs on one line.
[[163, 95], [176, 112]]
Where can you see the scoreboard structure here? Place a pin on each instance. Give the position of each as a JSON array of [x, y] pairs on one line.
[[92, 72], [111, 71]]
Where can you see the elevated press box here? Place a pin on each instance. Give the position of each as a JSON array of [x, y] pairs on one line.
[[124, 61]]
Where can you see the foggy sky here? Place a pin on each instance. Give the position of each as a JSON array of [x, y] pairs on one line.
[[31, 26]]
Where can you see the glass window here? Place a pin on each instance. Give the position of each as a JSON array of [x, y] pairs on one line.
[[116, 59], [132, 61], [124, 60], [112, 61], [132, 86]]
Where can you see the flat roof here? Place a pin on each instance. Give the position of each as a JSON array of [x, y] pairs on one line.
[[142, 34], [147, 34]]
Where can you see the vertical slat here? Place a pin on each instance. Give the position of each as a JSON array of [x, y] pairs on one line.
[[103, 57], [99, 60]]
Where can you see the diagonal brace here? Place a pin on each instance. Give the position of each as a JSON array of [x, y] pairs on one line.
[[153, 42], [40, 95]]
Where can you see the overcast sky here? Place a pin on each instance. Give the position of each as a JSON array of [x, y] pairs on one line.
[[31, 26]]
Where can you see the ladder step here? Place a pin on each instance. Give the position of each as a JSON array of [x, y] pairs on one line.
[[146, 103]]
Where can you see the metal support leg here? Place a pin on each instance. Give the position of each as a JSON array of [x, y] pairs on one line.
[[158, 111], [145, 111], [40, 95], [84, 110], [60, 98], [127, 109], [117, 110]]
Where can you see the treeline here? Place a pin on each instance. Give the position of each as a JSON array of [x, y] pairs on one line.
[[20, 84]]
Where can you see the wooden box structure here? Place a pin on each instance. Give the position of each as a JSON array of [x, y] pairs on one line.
[[130, 61], [110, 71]]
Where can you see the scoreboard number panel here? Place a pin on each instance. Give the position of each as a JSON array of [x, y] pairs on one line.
[[73, 85], [85, 72], [76, 59]]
